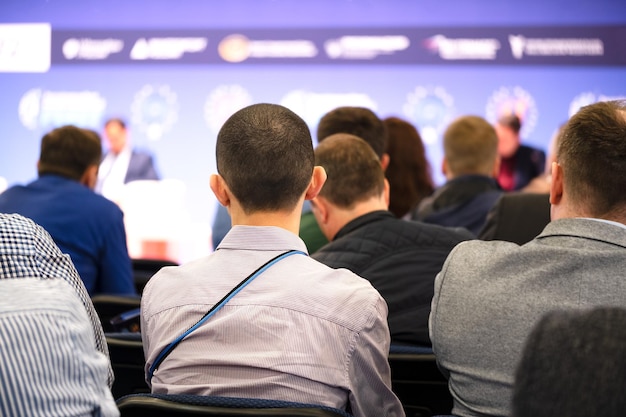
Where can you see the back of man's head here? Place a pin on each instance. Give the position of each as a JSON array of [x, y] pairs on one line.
[[592, 153], [68, 151], [358, 121], [573, 364], [353, 170], [470, 146], [264, 152]]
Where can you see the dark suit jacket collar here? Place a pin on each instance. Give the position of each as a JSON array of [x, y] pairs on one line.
[[586, 228]]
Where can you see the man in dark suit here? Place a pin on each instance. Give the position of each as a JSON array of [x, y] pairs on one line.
[[520, 164], [122, 164], [489, 295]]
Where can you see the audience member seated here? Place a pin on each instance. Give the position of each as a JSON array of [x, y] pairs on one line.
[[520, 164], [83, 224], [573, 364], [48, 322], [301, 331], [489, 295], [122, 164], [470, 165], [399, 258], [408, 171], [358, 121]]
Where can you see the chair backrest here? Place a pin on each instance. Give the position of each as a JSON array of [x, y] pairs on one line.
[[155, 405], [144, 269], [127, 361], [418, 383], [109, 306]]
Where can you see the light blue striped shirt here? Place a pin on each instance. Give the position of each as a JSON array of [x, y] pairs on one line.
[[49, 364], [300, 331]]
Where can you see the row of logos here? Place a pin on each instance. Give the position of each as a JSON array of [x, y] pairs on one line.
[[155, 108], [34, 47]]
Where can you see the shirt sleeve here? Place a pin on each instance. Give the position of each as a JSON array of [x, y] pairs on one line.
[[369, 373], [115, 270]]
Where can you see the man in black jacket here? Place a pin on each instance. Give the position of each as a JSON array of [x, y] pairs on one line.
[[400, 258]]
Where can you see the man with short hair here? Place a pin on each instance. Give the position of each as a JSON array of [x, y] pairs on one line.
[[358, 121], [399, 258], [470, 165], [489, 295], [84, 225], [298, 331]]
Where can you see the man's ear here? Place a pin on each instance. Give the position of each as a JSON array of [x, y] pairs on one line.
[[444, 167], [320, 209], [317, 181], [89, 177], [496, 167], [556, 184], [384, 161], [220, 189]]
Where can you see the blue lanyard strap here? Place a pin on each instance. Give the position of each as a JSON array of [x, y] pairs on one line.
[[168, 349]]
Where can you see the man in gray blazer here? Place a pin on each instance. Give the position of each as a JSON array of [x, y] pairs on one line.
[[489, 295]]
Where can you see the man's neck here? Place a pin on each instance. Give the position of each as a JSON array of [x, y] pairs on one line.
[[288, 220]]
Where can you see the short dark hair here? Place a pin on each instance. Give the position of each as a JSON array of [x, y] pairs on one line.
[[470, 146], [116, 120], [353, 170], [512, 121], [264, 152], [409, 171], [592, 153], [573, 364], [68, 151], [358, 121]]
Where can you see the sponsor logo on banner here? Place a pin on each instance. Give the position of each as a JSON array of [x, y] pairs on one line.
[[44, 109], [545, 47], [25, 47], [312, 106], [431, 109], [91, 49], [154, 110], [168, 48], [222, 102], [463, 48], [365, 47], [237, 48], [513, 100]]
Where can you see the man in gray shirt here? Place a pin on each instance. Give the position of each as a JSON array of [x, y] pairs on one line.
[[489, 295]]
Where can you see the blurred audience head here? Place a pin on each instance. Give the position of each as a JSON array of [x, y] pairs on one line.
[[470, 147], [573, 364], [358, 121], [409, 171], [71, 152]]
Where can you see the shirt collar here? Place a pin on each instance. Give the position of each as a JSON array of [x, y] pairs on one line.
[[270, 238]]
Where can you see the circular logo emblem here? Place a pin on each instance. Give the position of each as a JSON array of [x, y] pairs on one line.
[[222, 102], [430, 109], [234, 48], [513, 100], [154, 110]]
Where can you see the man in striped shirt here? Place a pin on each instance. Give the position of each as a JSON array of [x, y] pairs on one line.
[[53, 356]]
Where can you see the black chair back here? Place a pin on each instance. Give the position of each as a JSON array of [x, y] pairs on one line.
[[110, 306], [418, 383], [127, 361]]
